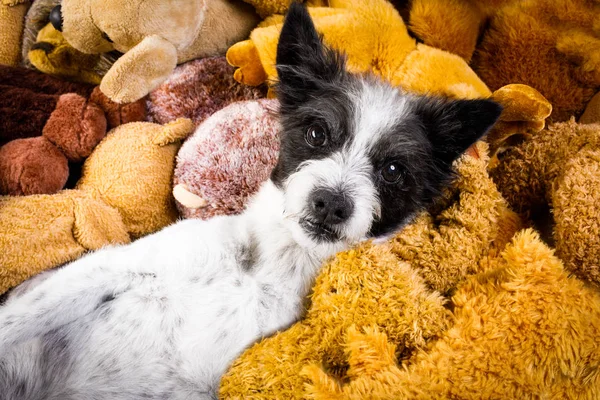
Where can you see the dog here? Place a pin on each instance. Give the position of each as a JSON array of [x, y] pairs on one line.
[[164, 317]]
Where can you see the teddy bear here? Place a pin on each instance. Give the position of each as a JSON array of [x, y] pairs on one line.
[[12, 14], [167, 33], [45, 49], [198, 89], [124, 193], [49, 126], [523, 329], [373, 284], [556, 43], [375, 39], [227, 159], [553, 178]]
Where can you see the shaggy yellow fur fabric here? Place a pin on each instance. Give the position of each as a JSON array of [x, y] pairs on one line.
[[551, 45], [12, 17], [559, 168], [521, 330], [388, 285], [124, 193]]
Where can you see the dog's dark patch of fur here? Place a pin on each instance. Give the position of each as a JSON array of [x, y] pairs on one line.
[[314, 88]]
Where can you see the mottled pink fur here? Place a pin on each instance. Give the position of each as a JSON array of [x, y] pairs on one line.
[[198, 89], [229, 156]]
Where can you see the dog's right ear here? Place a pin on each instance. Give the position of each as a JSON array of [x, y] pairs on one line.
[[304, 64]]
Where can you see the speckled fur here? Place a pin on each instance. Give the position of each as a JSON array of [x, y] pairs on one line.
[[198, 89], [227, 159]]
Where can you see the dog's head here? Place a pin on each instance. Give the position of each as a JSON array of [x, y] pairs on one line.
[[359, 157]]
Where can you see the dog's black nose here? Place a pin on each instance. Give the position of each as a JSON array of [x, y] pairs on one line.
[[56, 18], [330, 207]]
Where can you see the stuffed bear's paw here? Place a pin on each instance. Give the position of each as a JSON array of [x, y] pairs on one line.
[[32, 166], [76, 126], [123, 90], [244, 56]]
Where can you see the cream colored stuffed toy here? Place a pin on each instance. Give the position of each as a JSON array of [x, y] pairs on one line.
[[154, 35]]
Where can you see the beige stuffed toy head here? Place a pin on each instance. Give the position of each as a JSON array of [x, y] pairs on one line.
[[154, 35], [98, 26]]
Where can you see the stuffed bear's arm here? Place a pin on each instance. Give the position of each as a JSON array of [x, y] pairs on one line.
[[140, 70]]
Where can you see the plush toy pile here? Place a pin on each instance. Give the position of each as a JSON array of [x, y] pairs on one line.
[[112, 129]]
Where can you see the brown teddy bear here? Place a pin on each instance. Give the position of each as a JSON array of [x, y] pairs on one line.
[[558, 169], [166, 33], [124, 193], [552, 46], [45, 49], [48, 125]]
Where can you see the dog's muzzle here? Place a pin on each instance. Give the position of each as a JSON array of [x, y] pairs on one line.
[[328, 210]]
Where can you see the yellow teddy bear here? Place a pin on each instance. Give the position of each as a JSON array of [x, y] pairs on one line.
[[522, 329]]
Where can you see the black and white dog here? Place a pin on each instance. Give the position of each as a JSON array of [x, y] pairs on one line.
[[163, 317]]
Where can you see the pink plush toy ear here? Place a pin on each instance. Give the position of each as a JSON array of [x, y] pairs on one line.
[[227, 159]]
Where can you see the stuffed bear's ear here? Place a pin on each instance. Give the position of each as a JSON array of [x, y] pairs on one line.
[[454, 125], [304, 64]]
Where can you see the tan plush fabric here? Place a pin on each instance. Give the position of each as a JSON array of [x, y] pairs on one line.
[[164, 33], [11, 23], [133, 174], [40, 232], [124, 193]]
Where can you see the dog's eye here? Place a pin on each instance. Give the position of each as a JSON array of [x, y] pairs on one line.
[[316, 136], [105, 37], [392, 172]]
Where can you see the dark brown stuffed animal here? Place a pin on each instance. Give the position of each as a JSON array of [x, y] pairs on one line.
[[48, 125]]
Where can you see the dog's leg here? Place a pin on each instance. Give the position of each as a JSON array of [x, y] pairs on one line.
[[64, 297]]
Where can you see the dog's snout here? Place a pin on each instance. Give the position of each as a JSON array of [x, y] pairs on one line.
[[330, 207]]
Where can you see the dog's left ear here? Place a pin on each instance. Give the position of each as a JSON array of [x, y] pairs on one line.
[[304, 64], [454, 125]]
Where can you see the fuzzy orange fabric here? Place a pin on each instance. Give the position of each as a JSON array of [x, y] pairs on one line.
[[553, 46], [523, 329], [559, 168]]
